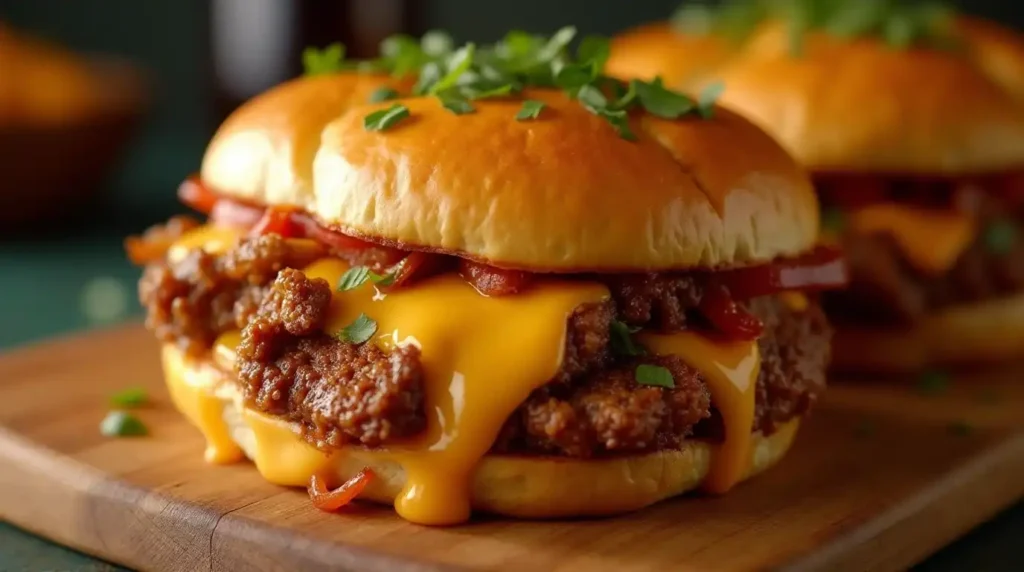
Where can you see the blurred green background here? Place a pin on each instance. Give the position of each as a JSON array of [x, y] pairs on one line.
[[73, 275]]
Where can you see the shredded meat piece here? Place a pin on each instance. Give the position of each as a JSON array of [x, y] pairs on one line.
[[338, 391], [660, 301]]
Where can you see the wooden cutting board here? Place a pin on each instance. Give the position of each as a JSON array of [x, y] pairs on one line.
[[880, 477]]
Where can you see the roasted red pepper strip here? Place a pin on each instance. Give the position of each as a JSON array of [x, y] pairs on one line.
[[193, 193], [332, 500], [277, 221]]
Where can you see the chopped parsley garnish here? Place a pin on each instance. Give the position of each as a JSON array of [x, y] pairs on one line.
[[933, 383], [383, 94], [328, 60], [131, 397], [385, 118], [122, 424], [1000, 237], [360, 330], [457, 77], [457, 104], [960, 428], [707, 99], [622, 340], [898, 23], [656, 375], [530, 110], [358, 275]]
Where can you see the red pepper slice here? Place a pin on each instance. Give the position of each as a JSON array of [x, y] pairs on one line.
[[824, 268], [194, 194], [332, 500], [277, 221]]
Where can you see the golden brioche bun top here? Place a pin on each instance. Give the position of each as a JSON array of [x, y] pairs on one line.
[[861, 105], [998, 50], [656, 49], [561, 193], [265, 148]]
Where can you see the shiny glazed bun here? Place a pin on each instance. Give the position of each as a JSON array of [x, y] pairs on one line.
[[563, 192], [980, 333], [656, 49], [515, 485], [998, 50], [861, 105], [266, 147]]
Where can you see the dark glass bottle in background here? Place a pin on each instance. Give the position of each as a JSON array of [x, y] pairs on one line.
[[256, 44]]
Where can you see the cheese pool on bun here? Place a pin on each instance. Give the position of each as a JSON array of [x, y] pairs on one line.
[[917, 153], [525, 291]]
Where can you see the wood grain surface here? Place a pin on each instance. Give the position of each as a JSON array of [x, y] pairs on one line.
[[880, 477]]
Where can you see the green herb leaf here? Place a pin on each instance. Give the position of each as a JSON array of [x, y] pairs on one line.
[[622, 340], [619, 119], [325, 61], [707, 99], [530, 110], [1000, 237], [556, 45], [353, 278], [457, 64], [383, 94], [457, 104], [960, 428], [573, 76], [662, 102], [128, 398], [385, 118], [122, 424], [594, 52], [627, 97], [933, 383], [358, 275], [592, 98], [360, 330], [647, 374], [436, 43]]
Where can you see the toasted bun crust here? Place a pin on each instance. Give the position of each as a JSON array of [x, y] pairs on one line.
[[265, 148], [541, 487], [563, 193], [863, 106], [998, 50], [656, 49], [975, 334]]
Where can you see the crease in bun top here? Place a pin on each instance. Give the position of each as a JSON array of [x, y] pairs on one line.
[[492, 278], [905, 114]]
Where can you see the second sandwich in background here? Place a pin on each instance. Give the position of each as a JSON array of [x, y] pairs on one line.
[[918, 157]]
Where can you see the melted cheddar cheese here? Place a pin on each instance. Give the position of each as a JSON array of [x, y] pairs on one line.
[[481, 357], [730, 369], [931, 240]]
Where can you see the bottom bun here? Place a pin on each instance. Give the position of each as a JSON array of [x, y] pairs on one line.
[[976, 334], [520, 486]]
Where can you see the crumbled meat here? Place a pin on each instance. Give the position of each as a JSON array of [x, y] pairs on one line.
[[338, 391], [191, 301], [660, 301], [609, 412], [157, 240]]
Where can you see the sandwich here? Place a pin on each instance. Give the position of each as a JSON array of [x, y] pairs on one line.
[[917, 153], [517, 286]]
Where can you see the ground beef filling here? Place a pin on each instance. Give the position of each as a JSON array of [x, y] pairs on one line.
[[886, 289], [342, 393]]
